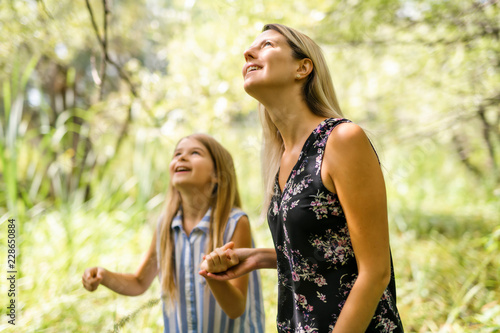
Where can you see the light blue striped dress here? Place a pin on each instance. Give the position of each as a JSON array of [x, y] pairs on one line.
[[197, 310]]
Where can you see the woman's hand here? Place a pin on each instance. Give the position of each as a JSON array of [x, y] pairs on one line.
[[249, 259], [92, 278], [220, 260]]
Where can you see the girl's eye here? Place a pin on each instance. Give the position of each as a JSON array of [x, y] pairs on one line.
[[267, 43], [195, 152]]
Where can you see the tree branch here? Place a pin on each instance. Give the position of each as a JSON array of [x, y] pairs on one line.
[[44, 8], [486, 136], [104, 46], [103, 43], [106, 59], [94, 24], [464, 156]]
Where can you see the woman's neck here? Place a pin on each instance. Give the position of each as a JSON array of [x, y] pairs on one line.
[[294, 120]]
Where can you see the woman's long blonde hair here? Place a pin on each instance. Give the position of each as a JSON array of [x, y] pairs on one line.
[[224, 198], [318, 92]]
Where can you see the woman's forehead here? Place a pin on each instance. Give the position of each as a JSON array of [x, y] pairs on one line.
[[268, 34]]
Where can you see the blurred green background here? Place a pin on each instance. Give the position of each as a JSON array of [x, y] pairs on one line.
[[95, 94]]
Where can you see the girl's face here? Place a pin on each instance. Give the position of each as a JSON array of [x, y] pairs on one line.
[[192, 165], [269, 63]]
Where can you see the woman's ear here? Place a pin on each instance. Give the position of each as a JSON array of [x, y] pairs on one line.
[[305, 68]]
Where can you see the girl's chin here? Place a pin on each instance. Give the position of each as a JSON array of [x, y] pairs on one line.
[[179, 184]]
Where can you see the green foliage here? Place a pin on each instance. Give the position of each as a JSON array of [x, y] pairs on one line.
[[89, 117], [11, 135]]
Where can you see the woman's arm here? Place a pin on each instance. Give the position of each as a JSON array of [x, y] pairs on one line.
[[249, 259], [355, 174], [125, 283]]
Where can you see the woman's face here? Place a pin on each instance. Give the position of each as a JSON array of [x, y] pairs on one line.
[[192, 165], [269, 63]]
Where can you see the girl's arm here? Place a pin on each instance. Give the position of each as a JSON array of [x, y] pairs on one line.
[[124, 283], [232, 295], [351, 168]]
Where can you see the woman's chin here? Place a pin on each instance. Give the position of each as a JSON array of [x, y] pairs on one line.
[[250, 88]]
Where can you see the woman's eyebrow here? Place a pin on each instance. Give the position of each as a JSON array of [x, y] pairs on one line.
[[263, 41]]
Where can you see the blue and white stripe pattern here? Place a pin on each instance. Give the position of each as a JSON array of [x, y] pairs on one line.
[[197, 310]]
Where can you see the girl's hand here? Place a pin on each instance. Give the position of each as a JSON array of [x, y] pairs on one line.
[[92, 278], [249, 259], [220, 260]]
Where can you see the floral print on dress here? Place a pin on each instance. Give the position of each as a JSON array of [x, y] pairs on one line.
[[326, 204], [335, 247], [301, 268], [316, 262], [321, 296], [304, 270], [305, 309], [293, 190]]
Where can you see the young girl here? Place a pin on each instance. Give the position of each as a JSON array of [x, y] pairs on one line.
[[202, 213], [326, 194]]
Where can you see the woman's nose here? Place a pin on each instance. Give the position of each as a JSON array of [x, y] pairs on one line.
[[249, 54]]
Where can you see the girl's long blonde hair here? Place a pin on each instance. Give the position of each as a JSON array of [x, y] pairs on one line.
[[224, 198], [318, 92]]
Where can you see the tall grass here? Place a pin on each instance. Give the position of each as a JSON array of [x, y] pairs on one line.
[[445, 241], [12, 129]]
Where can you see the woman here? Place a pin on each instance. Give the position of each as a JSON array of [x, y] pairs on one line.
[[326, 197], [202, 213]]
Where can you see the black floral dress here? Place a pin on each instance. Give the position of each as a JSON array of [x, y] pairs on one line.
[[316, 263]]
